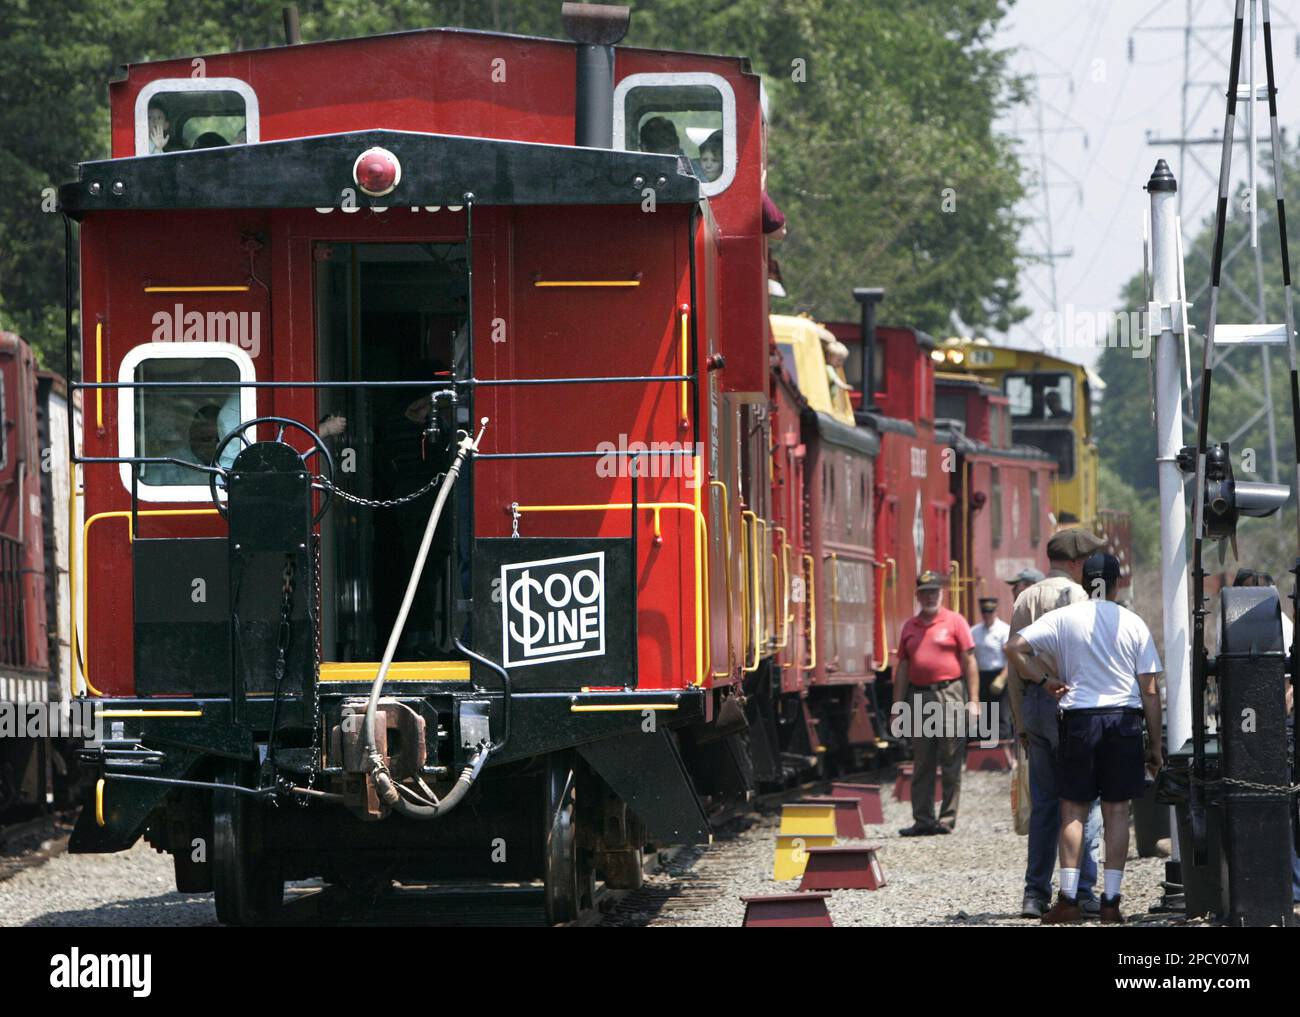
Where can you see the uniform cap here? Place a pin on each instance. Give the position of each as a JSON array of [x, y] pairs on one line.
[[929, 580]]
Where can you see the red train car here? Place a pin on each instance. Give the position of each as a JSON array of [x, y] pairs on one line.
[[444, 227], [1001, 491]]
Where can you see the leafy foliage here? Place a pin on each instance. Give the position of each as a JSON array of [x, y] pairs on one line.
[[895, 103]]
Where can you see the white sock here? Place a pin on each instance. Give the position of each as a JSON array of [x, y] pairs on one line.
[[1112, 878], [1069, 883]]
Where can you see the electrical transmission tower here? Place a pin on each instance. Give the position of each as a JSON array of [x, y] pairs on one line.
[[1051, 176], [1205, 33]]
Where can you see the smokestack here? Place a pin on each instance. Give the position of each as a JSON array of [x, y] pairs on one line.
[[868, 298], [595, 28], [292, 33]]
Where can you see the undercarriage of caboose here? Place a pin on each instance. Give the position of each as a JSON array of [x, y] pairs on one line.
[[333, 667]]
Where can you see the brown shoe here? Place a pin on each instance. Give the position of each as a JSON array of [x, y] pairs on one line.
[[1110, 913], [1064, 912]]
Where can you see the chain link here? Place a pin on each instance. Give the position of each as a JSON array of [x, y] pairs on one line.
[[356, 499], [313, 617], [514, 519], [1248, 784]]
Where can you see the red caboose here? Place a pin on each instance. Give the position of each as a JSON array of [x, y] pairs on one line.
[[306, 579]]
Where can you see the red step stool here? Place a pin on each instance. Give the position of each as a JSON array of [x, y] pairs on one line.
[[848, 817], [868, 796], [995, 758], [903, 784], [843, 868], [787, 911]]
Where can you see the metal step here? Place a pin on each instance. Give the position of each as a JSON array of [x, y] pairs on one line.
[[1250, 335]]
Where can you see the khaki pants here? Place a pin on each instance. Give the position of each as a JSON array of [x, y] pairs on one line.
[[946, 754]]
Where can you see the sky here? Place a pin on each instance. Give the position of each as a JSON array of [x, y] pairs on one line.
[[1098, 109]]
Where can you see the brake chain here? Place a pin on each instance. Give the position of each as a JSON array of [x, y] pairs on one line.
[[1248, 784], [313, 615], [356, 499]]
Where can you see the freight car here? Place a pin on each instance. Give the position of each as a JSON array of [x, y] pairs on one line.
[[37, 750]]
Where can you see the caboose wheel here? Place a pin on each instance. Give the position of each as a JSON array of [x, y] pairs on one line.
[[247, 883], [569, 870]]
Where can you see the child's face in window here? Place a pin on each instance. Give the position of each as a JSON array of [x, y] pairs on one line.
[[711, 163]]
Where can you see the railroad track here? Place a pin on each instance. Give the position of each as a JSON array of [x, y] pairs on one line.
[[32, 842], [679, 880]]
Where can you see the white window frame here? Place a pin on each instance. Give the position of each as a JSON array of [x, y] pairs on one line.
[[730, 153], [252, 112], [199, 490]]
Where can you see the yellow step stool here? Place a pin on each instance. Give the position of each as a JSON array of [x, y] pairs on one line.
[[792, 854], [808, 819]]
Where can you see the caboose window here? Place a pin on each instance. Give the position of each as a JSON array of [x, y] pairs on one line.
[[180, 114], [691, 115], [179, 423]]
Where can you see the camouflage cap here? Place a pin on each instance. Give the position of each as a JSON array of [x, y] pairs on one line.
[[1074, 543]]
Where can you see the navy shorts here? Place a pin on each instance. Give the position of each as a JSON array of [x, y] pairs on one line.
[[1101, 754]]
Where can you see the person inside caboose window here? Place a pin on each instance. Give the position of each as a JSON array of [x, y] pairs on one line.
[[193, 441], [711, 156], [659, 135], [193, 118], [160, 130], [181, 425]]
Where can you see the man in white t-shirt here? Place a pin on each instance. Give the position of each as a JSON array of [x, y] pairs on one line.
[[991, 635], [1108, 665]]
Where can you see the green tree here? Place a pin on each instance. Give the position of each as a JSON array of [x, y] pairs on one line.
[[882, 146]]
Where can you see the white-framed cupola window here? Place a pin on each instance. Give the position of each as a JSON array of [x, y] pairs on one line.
[[690, 114], [185, 424], [181, 114]]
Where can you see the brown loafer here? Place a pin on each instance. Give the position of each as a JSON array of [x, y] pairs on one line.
[[1110, 913], [1064, 912]]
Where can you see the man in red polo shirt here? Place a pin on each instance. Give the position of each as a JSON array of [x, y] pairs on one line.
[[935, 652]]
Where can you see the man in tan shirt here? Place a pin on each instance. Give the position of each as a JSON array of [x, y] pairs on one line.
[[1035, 713]]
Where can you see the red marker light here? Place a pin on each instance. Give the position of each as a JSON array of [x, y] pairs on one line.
[[377, 172]]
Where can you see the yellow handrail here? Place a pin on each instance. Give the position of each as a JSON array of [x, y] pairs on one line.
[[85, 570], [74, 673], [703, 654], [881, 634], [786, 613], [835, 604], [685, 312], [99, 374], [726, 550], [197, 289], [811, 599], [955, 571], [552, 283], [769, 611], [748, 522]]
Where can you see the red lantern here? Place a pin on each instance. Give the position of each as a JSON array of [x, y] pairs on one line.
[[377, 172]]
